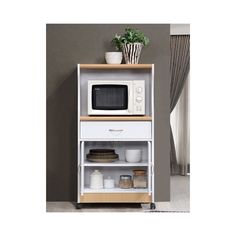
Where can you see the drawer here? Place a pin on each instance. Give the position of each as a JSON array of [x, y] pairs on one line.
[[115, 130]]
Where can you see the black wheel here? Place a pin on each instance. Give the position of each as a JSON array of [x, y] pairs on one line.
[[152, 206], [78, 205]]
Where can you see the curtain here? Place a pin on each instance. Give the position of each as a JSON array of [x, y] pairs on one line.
[[180, 128], [179, 67]]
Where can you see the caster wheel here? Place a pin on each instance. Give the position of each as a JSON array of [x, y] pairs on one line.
[[152, 206], [78, 205]]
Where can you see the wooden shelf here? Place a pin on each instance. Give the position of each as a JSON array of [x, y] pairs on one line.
[[115, 118], [115, 197], [116, 66], [115, 190]]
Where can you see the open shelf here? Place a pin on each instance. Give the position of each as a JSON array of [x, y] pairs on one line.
[[115, 118], [115, 66], [115, 190], [116, 163]]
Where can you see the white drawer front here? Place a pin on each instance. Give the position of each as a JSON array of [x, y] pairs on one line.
[[116, 130]]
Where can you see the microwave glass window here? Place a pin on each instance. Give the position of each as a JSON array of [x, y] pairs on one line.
[[110, 97]]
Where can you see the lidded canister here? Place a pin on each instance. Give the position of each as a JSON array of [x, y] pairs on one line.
[[126, 181], [96, 180]]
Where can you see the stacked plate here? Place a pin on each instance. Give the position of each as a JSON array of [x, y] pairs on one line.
[[102, 155]]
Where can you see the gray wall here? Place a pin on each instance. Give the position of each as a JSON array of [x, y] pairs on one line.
[[70, 44]]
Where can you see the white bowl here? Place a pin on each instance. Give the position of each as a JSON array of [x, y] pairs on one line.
[[133, 155], [113, 57]]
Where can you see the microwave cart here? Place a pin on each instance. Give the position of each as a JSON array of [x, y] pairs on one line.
[[115, 132]]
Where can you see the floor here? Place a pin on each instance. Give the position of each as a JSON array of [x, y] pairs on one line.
[[180, 202]]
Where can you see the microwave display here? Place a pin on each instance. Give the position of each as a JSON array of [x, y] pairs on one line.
[[109, 97]]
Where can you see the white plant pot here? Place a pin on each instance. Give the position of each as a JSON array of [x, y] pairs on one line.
[[113, 57]]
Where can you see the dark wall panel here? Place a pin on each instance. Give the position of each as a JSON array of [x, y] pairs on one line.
[[70, 44]]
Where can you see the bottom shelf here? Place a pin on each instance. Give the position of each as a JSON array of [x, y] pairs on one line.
[[115, 198], [116, 190]]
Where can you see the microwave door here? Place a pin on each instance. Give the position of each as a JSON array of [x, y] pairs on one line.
[[110, 99]]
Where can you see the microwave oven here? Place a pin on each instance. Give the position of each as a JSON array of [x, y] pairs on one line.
[[116, 97]]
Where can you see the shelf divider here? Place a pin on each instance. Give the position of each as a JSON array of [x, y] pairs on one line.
[[115, 118], [116, 163]]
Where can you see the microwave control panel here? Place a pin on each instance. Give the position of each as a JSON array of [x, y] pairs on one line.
[[139, 97]]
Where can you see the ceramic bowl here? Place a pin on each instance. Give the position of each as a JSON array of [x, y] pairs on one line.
[[133, 155]]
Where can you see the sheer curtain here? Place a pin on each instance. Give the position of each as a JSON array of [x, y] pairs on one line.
[[180, 128]]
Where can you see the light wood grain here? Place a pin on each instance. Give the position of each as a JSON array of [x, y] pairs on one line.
[[115, 118], [115, 197], [116, 66]]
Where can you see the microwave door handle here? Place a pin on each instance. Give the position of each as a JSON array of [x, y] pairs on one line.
[[130, 99]]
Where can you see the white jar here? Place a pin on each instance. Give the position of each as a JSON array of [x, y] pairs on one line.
[[96, 180], [109, 182]]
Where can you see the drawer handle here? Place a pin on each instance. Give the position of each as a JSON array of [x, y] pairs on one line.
[[116, 130]]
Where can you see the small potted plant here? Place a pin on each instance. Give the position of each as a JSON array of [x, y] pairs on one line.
[[131, 44], [114, 57]]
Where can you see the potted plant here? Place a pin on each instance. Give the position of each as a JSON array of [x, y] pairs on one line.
[[131, 44], [114, 57]]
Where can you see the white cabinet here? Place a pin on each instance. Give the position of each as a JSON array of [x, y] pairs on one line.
[[115, 132]]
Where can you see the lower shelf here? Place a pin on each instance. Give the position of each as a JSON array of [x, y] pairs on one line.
[[116, 190], [115, 198]]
